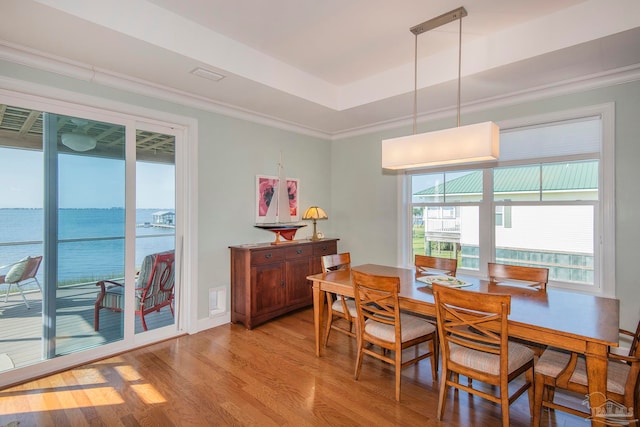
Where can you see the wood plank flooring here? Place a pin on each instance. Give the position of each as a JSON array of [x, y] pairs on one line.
[[230, 376]]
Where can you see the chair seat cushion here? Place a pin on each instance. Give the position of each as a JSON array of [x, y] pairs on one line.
[[552, 362], [411, 327], [351, 306], [488, 362]]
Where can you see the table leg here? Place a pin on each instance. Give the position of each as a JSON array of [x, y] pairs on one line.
[[318, 309], [596, 359]]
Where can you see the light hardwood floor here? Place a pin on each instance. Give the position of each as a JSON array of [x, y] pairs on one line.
[[230, 376]]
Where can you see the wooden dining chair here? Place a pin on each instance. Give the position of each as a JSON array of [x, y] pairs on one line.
[[536, 277], [567, 371], [339, 306], [473, 333], [435, 265], [381, 324]]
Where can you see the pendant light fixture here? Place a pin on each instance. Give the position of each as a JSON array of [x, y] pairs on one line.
[[460, 145]]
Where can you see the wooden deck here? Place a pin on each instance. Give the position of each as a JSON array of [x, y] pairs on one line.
[[21, 328]]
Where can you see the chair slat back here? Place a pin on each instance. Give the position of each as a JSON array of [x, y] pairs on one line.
[[157, 277], [377, 298], [633, 377], [336, 262], [473, 320], [30, 271], [537, 275], [424, 262]]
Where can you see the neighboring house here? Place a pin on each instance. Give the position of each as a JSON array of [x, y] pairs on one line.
[[449, 227]]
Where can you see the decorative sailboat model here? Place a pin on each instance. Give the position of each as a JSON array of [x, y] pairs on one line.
[[278, 216]]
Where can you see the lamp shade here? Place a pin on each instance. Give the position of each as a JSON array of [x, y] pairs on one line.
[[314, 212], [461, 145], [78, 141]]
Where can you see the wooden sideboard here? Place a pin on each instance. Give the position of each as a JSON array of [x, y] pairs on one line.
[[270, 280]]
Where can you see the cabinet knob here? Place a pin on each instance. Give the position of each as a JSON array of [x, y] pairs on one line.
[[299, 251], [282, 284], [325, 247], [268, 255]]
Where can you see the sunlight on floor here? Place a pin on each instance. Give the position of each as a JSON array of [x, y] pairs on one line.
[[60, 399], [128, 373], [148, 394], [92, 389]]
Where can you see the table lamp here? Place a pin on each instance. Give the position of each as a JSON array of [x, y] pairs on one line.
[[314, 213]]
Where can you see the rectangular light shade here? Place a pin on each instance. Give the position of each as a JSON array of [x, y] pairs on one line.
[[461, 145]]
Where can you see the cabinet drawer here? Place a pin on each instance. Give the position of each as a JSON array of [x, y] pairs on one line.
[[325, 248], [298, 252], [264, 257]]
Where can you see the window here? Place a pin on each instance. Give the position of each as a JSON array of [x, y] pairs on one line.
[[542, 205], [447, 207], [500, 216]]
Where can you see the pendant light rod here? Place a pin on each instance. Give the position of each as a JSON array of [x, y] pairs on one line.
[[436, 22], [415, 88], [439, 21], [459, 66]]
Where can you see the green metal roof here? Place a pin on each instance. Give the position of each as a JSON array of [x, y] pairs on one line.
[[557, 176]]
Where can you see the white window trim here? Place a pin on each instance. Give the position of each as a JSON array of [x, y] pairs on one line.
[[46, 98], [604, 249]]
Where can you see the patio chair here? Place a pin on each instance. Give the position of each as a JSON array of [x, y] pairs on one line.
[[154, 289], [22, 273]]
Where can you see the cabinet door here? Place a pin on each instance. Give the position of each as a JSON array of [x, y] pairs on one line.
[[299, 290], [267, 288]]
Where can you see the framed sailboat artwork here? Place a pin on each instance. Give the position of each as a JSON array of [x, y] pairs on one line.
[[267, 188], [277, 207]]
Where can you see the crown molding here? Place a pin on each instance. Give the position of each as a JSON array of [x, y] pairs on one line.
[[45, 62], [594, 81]]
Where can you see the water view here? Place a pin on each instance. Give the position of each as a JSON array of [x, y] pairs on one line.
[[92, 240]]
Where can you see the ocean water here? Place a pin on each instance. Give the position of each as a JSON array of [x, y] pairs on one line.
[[91, 243]]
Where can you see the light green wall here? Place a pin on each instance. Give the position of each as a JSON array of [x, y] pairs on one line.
[[364, 199], [231, 153]]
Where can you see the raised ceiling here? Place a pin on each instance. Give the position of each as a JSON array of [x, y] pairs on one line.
[[330, 67]]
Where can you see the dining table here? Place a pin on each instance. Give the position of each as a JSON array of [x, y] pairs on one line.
[[576, 322]]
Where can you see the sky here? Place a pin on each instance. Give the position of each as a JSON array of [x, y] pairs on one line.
[[85, 182]]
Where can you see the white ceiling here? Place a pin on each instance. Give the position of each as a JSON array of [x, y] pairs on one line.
[[330, 67]]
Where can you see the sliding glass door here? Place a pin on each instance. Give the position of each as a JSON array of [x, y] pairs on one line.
[[94, 200], [155, 229], [85, 229]]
